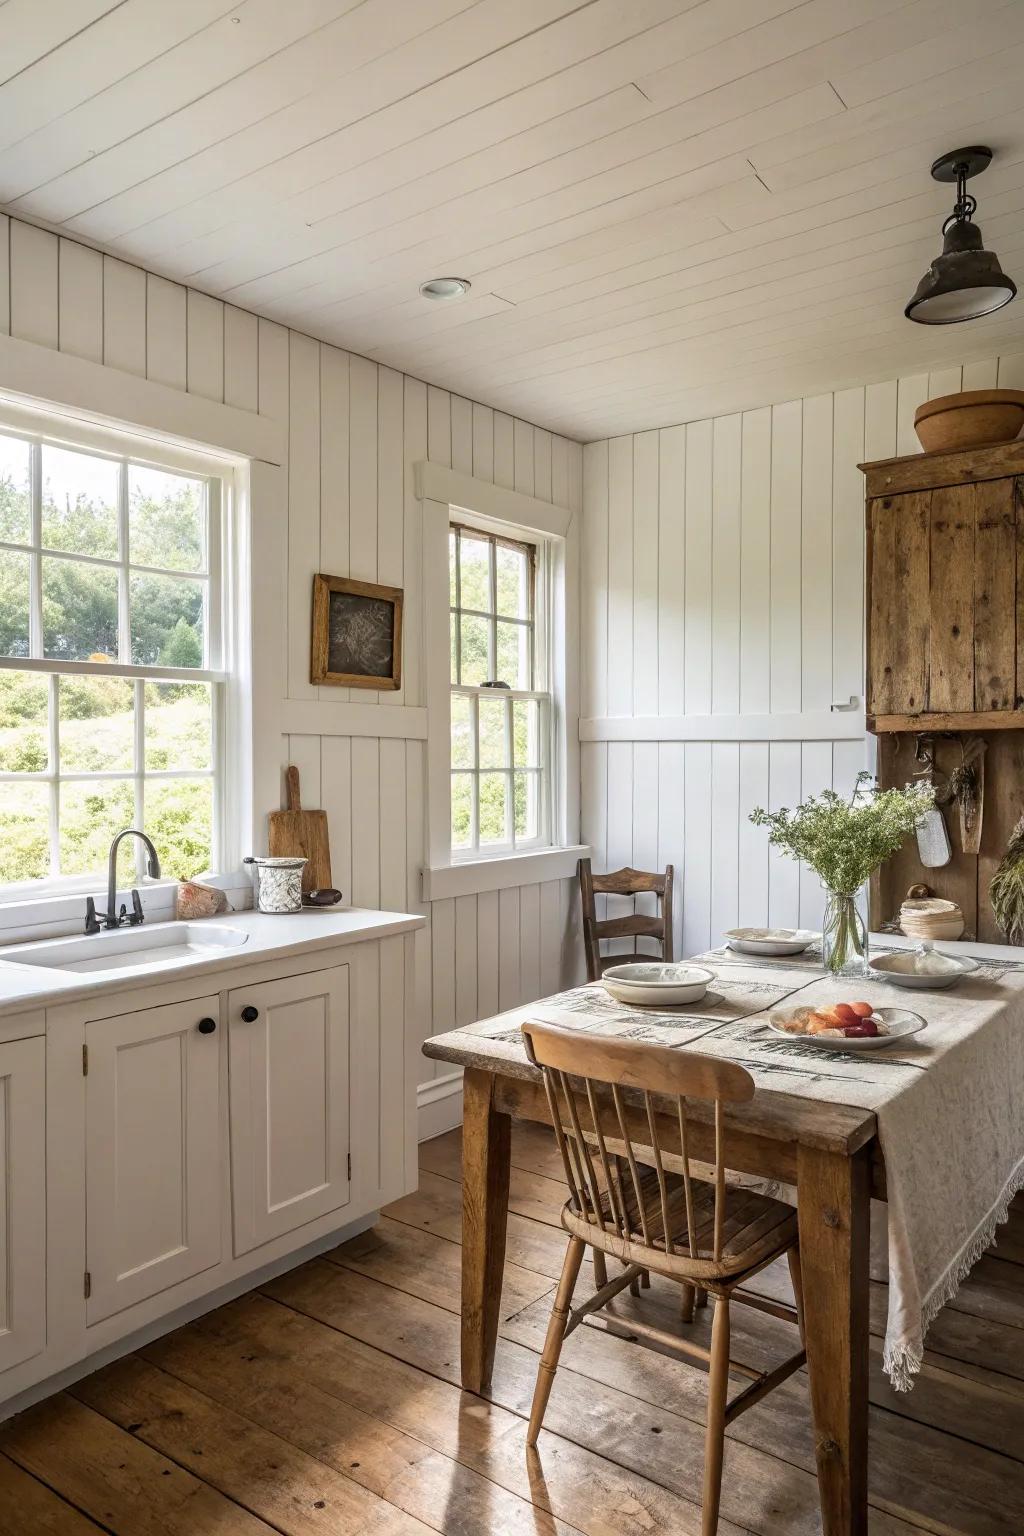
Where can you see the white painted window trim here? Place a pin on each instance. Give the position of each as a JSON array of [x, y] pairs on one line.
[[100, 407], [443, 492]]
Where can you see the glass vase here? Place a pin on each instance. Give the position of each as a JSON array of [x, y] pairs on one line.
[[844, 933]]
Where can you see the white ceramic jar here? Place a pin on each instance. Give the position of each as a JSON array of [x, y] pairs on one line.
[[278, 884]]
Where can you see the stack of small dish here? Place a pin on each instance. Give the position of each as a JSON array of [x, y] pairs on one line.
[[931, 918]]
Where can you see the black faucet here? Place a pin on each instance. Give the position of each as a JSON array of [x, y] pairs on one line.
[[111, 918]]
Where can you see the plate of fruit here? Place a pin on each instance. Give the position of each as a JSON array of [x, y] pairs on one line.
[[854, 1026]]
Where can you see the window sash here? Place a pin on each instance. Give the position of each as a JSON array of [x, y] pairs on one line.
[[214, 647], [490, 614]]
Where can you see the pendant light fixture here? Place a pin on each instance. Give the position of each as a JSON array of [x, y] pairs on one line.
[[966, 281]]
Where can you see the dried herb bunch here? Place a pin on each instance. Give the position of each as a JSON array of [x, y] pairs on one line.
[[844, 841], [1006, 892]]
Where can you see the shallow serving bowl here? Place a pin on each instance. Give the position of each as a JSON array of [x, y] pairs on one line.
[[898, 968], [657, 984], [900, 1022], [769, 941]]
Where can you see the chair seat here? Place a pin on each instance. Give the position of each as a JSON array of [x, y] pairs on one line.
[[755, 1228]]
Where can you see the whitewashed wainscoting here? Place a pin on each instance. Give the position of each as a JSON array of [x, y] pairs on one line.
[[722, 618], [346, 504]]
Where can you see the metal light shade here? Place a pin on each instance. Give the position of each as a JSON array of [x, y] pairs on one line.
[[965, 282]]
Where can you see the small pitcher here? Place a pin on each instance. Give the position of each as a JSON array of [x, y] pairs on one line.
[[278, 883]]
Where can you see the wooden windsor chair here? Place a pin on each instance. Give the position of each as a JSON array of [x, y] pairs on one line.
[[623, 1113], [635, 925]]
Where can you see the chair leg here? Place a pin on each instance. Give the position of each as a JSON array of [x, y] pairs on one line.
[[796, 1275], [555, 1334], [645, 1279], [686, 1303], [701, 1299], [600, 1269], [718, 1387]]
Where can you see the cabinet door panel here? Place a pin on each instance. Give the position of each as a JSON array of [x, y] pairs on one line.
[[22, 1200], [951, 633], [898, 616], [995, 546], [153, 1153], [289, 1081]]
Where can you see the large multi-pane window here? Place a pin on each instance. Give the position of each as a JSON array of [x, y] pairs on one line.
[[109, 654], [500, 695]]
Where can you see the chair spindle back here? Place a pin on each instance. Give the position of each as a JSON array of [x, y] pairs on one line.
[[599, 1129]]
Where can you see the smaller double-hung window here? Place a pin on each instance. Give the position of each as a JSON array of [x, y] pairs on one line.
[[500, 693]]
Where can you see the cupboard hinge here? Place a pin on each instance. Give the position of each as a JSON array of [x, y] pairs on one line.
[[350, 1165], [85, 1061], [87, 1287]]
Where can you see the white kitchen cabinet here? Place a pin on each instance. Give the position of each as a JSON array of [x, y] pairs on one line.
[[153, 1152], [22, 1200], [289, 1100]]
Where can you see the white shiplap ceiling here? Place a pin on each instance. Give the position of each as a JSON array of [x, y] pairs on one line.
[[667, 208]]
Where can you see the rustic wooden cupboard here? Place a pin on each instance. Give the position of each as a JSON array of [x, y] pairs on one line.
[[945, 652], [945, 591]]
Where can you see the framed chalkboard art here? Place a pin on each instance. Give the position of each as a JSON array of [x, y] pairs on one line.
[[357, 633]]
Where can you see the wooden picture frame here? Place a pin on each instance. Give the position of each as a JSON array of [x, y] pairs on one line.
[[357, 634]]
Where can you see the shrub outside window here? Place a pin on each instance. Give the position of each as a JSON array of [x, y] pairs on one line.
[[110, 650]]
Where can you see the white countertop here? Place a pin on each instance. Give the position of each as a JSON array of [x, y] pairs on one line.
[[269, 937]]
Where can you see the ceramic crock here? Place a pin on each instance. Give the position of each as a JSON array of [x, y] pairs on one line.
[[278, 884]]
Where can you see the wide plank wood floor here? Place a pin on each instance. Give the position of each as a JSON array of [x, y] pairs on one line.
[[328, 1401]]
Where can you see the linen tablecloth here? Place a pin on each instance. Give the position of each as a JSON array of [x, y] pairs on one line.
[[950, 1105]]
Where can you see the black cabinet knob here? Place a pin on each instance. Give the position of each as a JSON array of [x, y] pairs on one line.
[[206, 1026], [250, 1014]]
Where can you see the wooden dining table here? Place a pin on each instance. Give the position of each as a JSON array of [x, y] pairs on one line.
[[829, 1152]]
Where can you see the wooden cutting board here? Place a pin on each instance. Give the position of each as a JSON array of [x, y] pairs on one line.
[[297, 833]]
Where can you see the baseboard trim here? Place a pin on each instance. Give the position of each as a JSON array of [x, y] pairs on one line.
[[439, 1105], [186, 1314]]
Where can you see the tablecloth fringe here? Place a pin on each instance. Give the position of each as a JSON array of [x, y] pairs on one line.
[[902, 1361]]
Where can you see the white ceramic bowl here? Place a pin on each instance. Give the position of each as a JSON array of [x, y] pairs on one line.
[[655, 984], [769, 941], [901, 1024], [897, 968]]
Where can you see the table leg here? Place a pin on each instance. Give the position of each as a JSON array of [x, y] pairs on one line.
[[834, 1206], [486, 1156]]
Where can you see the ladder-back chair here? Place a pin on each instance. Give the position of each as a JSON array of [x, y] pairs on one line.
[[623, 1113], [635, 925]]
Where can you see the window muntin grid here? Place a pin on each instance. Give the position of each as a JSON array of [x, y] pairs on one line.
[[112, 548], [501, 718]]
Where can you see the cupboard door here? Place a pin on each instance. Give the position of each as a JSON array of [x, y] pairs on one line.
[[951, 627], [289, 1082], [22, 1200], [898, 619], [153, 1152]]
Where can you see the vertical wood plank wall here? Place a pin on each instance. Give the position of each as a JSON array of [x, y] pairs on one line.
[[346, 494], [722, 574]]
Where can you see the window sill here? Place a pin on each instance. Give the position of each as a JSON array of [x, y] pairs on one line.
[[501, 874]]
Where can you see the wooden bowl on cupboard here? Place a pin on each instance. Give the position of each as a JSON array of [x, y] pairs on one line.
[[976, 418]]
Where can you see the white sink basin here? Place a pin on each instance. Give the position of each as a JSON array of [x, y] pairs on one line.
[[142, 948]]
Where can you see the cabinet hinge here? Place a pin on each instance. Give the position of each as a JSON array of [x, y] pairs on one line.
[[87, 1287], [350, 1165], [85, 1061]]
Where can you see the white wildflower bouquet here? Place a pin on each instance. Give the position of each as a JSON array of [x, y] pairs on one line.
[[844, 841]]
